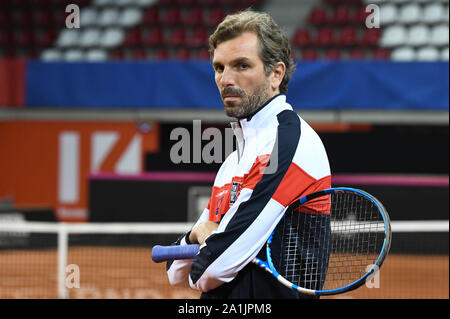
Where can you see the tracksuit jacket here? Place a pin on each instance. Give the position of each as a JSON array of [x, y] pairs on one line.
[[279, 158]]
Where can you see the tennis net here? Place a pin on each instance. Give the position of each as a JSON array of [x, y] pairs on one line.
[[112, 260]]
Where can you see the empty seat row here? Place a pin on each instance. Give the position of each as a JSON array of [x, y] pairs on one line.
[[108, 38], [413, 13], [339, 15], [194, 16], [94, 37], [337, 54], [76, 54], [417, 35], [159, 37], [423, 54], [346, 36]]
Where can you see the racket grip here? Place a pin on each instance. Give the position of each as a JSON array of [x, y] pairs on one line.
[[164, 253]]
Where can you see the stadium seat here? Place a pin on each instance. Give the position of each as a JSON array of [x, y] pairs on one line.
[[182, 54], [88, 16], [68, 38], [215, 16], [380, 54], [133, 37], [357, 54], [96, 55], [194, 17], [176, 37], [433, 13], [403, 54], [172, 16], [111, 37], [203, 54], [46, 38], [89, 37], [129, 17], [44, 18], [155, 37], [393, 36], [444, 54], [427, 54], [325, 37], [107, 17], [23, 18], [410, 14], [346, 37], [439, 35], [318, 16], [117, 54], [333, 54], [309, 54], [151, 17], [359, 16], [25, 38], [73, 55], [51, 55], [162, 54], [139, 54], [388, 14], [340, 15], [370, 37], [302, 37], [418, 35], [198, 38]]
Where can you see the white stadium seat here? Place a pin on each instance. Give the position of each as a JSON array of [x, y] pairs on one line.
[[388, 14], [51, 55], [111, 37], [108, 16], [130, 17], [89, 37], [444, 54], [88, 17], [427, 54], [68, 38], [403, 54], [96, 55], [418, 35], [409, 14], [395, 35], [433, 13], [72, 55], [439, 35]]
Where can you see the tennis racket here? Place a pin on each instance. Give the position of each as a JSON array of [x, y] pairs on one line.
[[327, 243]]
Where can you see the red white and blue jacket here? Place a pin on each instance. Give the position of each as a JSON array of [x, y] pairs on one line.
[[278, 159]]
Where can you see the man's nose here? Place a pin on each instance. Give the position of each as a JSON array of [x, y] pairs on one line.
[[227, 78]]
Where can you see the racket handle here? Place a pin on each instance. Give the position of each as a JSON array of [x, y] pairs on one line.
[[164, 253]]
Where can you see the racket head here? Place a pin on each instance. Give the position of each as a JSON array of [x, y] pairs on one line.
[[329, 242]]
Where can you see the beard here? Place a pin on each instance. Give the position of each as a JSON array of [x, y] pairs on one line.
[[249, 102]]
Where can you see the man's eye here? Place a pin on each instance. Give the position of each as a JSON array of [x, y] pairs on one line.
[[219, 68], [244, 66]]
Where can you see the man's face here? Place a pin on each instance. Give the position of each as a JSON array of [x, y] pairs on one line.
[[240, 75]]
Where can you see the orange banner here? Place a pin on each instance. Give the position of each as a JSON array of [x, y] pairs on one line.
[[46, 163]]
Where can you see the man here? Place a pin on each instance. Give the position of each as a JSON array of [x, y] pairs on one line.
[[279, 158]]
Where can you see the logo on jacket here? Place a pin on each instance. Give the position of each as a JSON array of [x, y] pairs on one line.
[[234, 192]]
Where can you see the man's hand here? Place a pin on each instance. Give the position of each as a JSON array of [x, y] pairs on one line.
[[202, 231]]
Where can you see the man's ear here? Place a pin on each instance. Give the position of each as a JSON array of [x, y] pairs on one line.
[[278, 72]]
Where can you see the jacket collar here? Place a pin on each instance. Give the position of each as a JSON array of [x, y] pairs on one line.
[[264, 115]]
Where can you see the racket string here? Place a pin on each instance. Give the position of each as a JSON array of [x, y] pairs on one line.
[[331, 242]]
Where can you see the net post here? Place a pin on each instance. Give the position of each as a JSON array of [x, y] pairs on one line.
[[62, 260]]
